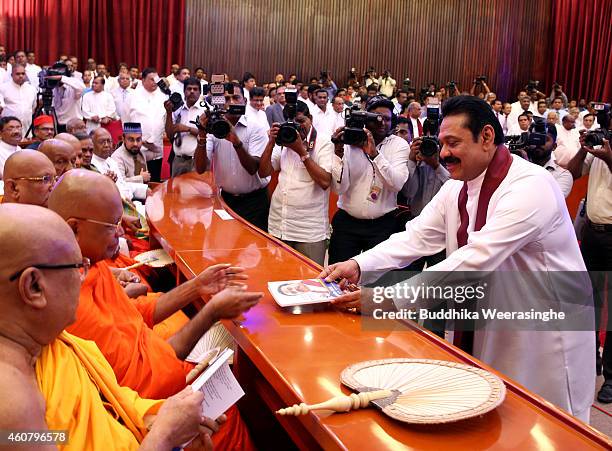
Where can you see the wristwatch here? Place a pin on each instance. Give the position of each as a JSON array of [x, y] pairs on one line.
[[305, 157]]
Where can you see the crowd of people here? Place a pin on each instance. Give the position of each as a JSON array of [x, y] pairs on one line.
[[64, 136]]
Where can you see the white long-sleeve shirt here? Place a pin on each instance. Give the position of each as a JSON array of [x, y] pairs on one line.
[[567, 144], [122, 98], [527, 238], [19, 101], [66, 99], [100, 104], [6, 150], [148, 109], [128, 190], [324, 121], [32, 71], [355, 175]]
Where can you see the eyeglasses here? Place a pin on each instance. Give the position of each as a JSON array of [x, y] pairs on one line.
[[47, 179], [83, 267], [110, 225]]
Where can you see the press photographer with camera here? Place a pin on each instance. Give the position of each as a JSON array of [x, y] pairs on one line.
[[299, 209], [179, 126], [369, 169], [557, 91], [57, 82], [595, 158], [480, 84], [387, 84], [234, 145]]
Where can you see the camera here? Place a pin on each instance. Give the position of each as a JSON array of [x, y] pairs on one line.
[[356, 120], [431, 126], [289, 130], [58, 68], [480, 79], [406, 84], [217, 125], [536, 136], [532, 85], [175, 98], [596, 137], [451, 86]]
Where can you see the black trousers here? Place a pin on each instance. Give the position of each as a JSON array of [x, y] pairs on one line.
[[351, 236], [253, 206], [155, 167], [596, 249]]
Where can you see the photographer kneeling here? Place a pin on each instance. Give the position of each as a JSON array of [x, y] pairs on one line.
[[300, 203]]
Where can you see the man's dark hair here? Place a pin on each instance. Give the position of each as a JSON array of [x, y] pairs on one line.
[[497, 100], [247, 76], [192, 81], [401, 91], [27, 52], [6, 119], [337, 96], [478, 113], [301, 107], [524, 115], [81, 136], [588, 115], [257, 92], [134, 67], [184, 67], [199, 68], [558, 97], [100, 77], [322, 90], [148, 70], [313, 87], [402, 120]]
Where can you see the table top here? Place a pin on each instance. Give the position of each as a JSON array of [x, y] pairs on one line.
[[301, 353]]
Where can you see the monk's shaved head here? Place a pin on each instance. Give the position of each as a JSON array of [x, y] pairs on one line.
[[76, 148], [39, 302], [85, 199], [60, 153], [103, 143], [24, 174]]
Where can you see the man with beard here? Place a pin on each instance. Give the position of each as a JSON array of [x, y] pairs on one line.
[[300, 203], [179, 126], [131, 162], [29, 177]]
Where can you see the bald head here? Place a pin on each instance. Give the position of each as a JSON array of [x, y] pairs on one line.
[[39, 302], [28, 178], [76, 148], [60, 153], [93, 218], [76, 126], [103, 143]]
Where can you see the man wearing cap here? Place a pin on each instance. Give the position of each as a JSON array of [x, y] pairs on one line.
[[131, 162], [18, 98], [367, 178], [43, 130]]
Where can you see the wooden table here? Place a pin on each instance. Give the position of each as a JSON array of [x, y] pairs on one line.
[[291, 357]]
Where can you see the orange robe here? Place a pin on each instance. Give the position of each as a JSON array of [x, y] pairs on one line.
[[141, 359]]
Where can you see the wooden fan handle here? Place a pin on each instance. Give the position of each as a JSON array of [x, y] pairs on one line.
[[338, 404]]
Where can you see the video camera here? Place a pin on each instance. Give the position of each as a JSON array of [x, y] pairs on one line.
[[356, 120], [536, 136], [596, 137], [289, 130], [47, 84], [451, 86], [532, 85], [430, 145], [174, 97], [480, 79], [216, 123]]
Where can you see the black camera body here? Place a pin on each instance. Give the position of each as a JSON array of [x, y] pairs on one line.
[[289, 130], [58, 68], [451, 85], [175, 98], [532, 85], [430, 145], [480, 79], [596, 137], [536, 136], [356, 120]]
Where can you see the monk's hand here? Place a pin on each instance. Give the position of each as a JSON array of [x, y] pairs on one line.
[[133, 290], [123, 275], [347, 272], [217, 277], [131, 223], [231, 302], [179, 419]]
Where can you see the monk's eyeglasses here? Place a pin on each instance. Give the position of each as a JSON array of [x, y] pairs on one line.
[[46, 179], [83, 267], [110, 225]]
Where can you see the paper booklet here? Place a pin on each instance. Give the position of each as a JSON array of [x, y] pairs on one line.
[[289, 293], [220, 387]]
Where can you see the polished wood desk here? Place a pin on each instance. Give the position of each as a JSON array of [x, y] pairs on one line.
[[291, 358]]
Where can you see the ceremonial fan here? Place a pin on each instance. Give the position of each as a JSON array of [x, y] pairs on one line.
[[216, 339], [156, 258], [415, 390]]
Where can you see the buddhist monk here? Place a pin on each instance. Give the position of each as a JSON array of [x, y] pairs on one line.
[[76, 146], [29, 177], [60, 153], [51, 380], [121, 327]]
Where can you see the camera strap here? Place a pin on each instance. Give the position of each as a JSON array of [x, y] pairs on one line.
[[312, 139]]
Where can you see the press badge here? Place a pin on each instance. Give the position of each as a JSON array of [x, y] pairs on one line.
[[374, 193]]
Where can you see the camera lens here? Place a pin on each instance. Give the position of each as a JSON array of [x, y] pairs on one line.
[[429, 146], [220, 129], [286, 135]]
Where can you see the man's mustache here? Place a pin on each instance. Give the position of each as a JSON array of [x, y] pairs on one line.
[[451, 160]]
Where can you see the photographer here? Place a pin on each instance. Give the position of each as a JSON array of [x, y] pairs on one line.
[[66, 99], [387, 84], [328, 84], [179, 128], [480, 83], [367, 178], [236, 161], [299, 211], [596, 244], [557, 91]]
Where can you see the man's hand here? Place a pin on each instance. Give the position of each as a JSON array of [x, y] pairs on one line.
[[273, 132], [217, 277], [233, 137], [146, 175], [348, 271], [368, 146], [105, 120], [133, 290], [337, 138], [111, 175], [415, 148], [232, 302], [604, 152], [95, 119], [123, 275], [433, 161], [168, 106], [130, 223], [298, 146], [207, 428]]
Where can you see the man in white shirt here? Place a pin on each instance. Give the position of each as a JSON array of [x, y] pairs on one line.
[[177, 83], [121, 96], [10, 136], [146, 106], [248, 83], [98, 106], [588, 122], [367, 178], [254, 108], [130, 160], [524, 105], [235, 160], [174, 71], [497, 107], [32, 69], [299, 210], [415, 125], [309, 100], [180, 128], [387, 84], [323, 116], [567, 140], [102, 162], [542, 109], [399, 101], [18, 98], [557, 107], [339, 108], [521, 126], [489, 220], [66, 99]]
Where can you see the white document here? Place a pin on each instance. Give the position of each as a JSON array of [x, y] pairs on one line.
[[290, 293], [220, 387], [223, 214]]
